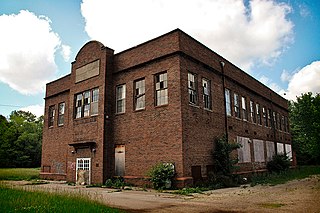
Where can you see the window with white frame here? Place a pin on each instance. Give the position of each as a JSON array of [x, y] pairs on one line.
[[139, 96], [95, 101], [61, 109], [258, 114], [236, 105], [86, 103], [206, 87], [161, 82], [264, 115], [244, 108], [252, 112], [51, 116], [121, 98], [228, 102], [192, 88]]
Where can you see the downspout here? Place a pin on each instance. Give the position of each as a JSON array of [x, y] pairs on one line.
[[224, 100]]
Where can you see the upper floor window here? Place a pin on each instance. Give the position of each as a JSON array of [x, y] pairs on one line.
[[264, 115], [269, 117], [206, 86], [252, 112], [228, 101], [139, 94], [51, 116], [161, 82], [86, 103], [236, 105], [121, 98], [274, 120], [192, 88], [61, 110], [244, 108], [95, 101], [258, 114]]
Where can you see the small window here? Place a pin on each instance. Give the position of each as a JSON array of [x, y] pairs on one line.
[[51, 116], [252, 112], [61, 110], [264, 115], [228, 102], [244, 108], [258, 114], [161, 83], [274, 120], [86, 103], [79, 105], [121, 98], [139, 96], [95, 101], [192, 87], [269, 117], [206, 86], [236, 105]]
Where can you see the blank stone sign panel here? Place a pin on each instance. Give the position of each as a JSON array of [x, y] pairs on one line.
[[258, 147], [270, 150], [244, 153], [87, 71]]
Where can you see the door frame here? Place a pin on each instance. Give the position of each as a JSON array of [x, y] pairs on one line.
[[77, 167]]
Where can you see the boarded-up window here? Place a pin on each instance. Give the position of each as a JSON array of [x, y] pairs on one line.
[[87, 71], [270, 150], [280, 148], [258, 146], [119, 160], [288, 151], [244, 153]]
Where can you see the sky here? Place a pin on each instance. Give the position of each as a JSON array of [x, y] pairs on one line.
[[275, 41]]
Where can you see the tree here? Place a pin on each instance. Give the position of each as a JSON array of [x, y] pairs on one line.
[[20, 140], [305, 128]]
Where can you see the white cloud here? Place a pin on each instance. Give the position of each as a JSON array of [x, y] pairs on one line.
[[305, 80], [65, 52], [285, 76], [272, 85], [245, 35], [28, 47], [37, 110]]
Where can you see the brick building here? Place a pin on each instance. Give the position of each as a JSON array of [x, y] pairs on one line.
[[165, 100]]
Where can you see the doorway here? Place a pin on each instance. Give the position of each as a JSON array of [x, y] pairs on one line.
[[83, 171], [119, 160]]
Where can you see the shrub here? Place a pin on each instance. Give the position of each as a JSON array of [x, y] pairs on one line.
[[117, 183], [279, 163], [162, 175]]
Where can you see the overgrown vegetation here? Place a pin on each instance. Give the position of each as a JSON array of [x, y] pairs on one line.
[[117, 183], [162, 175], [19, 173], [305, 128], [14, 200], [283, 177], [20, 140], [224, 164], [279, 163]]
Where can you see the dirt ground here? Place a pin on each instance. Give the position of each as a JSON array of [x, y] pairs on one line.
[[294, 196]]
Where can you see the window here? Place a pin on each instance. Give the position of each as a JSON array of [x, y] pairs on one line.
[[236, 105], [206, 86], [282, 123], [86, 103], [244, 108], [252, 112], [228, 101], [264, 115], [61, 114], [95, 101], [51, 116], [121, 98], [161, 82], [274, 120], [286, 127], [269, 117], [192, 87], [258, 114], [139, 96]]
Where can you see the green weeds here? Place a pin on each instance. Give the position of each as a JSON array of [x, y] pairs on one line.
[[19, 173]]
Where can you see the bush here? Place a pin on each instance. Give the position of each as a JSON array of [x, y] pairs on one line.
[[279, 163], [117, 183], [162, 175]]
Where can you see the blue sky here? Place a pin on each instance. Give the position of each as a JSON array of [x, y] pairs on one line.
[[277, 42]]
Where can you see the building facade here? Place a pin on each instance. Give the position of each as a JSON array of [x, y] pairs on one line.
[[165, 100]]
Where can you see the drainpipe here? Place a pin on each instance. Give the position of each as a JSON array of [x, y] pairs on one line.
[[224, 100]]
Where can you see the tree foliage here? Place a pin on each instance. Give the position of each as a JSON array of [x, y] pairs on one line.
[[305, 128], [20, 140]]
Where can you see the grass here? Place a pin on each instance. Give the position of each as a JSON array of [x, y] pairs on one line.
[[15, 200], [294, 174], [19, 173]]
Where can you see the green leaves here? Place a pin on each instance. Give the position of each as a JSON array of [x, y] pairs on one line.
[[161, 175]]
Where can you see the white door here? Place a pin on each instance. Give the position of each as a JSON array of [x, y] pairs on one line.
[[119, 160], [83, 168]]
